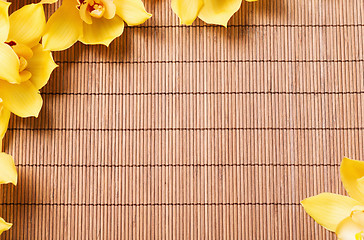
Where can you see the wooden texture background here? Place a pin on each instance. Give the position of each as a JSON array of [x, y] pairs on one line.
[[198, 132]]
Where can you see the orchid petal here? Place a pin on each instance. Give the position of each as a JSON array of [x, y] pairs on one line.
[[63, 28], [41, 65], [110, 9], [132, 11], [357, 215], [219, 11], [9, 64], [4, 121], [4, 226], [7, 170], [348, 229], [22, 99], [187, 10], [329, 209], [102, 30], [4, 20], [27, 25], [352, 177]]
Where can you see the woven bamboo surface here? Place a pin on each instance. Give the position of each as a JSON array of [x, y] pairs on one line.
[[198, 132]]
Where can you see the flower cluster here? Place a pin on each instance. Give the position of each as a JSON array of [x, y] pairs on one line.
[[340, 214], [210, 11], [91, 22], [27, 39], [26, 62], [25, 67]]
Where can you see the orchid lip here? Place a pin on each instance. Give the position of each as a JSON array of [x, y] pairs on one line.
[[91, 8]]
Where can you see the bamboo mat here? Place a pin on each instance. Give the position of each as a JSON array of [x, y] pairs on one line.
[[198, 132]]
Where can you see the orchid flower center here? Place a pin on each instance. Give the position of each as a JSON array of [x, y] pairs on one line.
[[96, 9], [357, 218], [24, 53]]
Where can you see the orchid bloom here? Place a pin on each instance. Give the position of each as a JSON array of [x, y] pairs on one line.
[[91, 22], [7, 175], [210, 11], [341, 214], [7, 167], [25, 66]]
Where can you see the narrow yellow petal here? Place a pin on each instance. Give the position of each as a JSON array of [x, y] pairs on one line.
[[9, 64], [187, 10], [329, 209], [4, 226], [63, 28], [4, 20], [7, 169], [25, 76], [219, 11], [4, 121], [348, 229], [85, 14], [23, 50], [102, 30], [27, 25], [132, 11], [41, 66], [352, 173], [21, 99]]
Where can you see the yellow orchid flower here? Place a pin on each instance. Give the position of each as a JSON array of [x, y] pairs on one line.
[[4, 121], [7, 175], [340, 214], [210, 11], [91, 22], [25, 66]]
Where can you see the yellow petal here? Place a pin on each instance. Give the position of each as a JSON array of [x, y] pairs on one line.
[[187, 10], [219, 11], [348, 229], [4, 121], [4, 226], [41, 66], [7, 169], [102, 30], [23, 50], [85, 14], [4, 20], [27, 25], [329, 209], [132, 11], [63, 28], [25, 76], [352, 173], [110, 9], [9, 64], [357, 215], [21, 99]]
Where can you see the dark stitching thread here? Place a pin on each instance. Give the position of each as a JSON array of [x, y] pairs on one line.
[[185, 129], [150, 204], [181, 165], [255, 26], [199, 93], [216, 61]]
